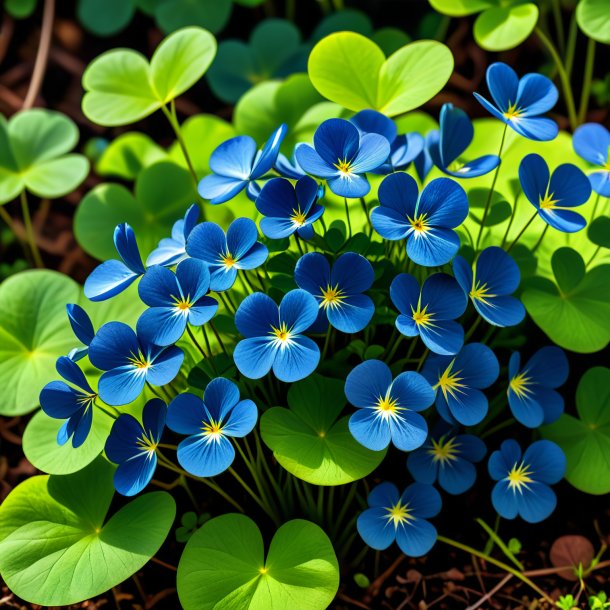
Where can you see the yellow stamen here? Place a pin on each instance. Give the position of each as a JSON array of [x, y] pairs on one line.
[[332, 296], [281, 334], [450, 383], [399, 514], [419, 224], [444, 452], [387, 407], [182, 303], [212, 429], [512, 113], [297, 217], [147, 443], [520, 385], [344, 166], [519, 477], [422, 317], [228, 260], [86, 399], [139, 361], [547, 202], [480, 292]]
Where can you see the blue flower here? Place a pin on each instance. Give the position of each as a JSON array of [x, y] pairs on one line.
[[226, 254], [425, 221], [236, 163], [531, 389], [341, 156], [289, 209], [388, 409], [423, 162], [448, 145], [496, 276], [449, 458], [520, 102], [592, 143], [171, 250], [133, 446], [74, 402], [209, 424], [458, 382], [175, 300], [82, 328], [289, 168], [338, 290], [523, 482], [273, 336], [555, 195], [430, 312], [400, 517], [130, 361], [403, 148], [112, 277]]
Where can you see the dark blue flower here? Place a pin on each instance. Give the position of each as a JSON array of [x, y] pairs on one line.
[[226, 254], [341, 156], [273, 336], [592, 143], [130, 361], [449, 458], [112, 277], [133, 446], [338, 290], [400, 517], [171, 250], [387, 409], [523, 482], [425, 221], [209, 424], [289, 168], [531, 389], [455, 136], [236, 163], [458, 382], [496, 276], [430, 312], [83, 330], [74, 402], [174, 300], [520, 102], [555, 195], [289, 209], [423, 162]]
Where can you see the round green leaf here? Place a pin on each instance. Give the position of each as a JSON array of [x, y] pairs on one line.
[[461, 8], [127, 155], [586, 439], [593, 17], [598, 231], [568, 268], [42, 450], [33, 334], [210, 14], [505, 27], [56, 178], [20, 9], [105, 17], [56, 546], [345, 20], [309, 442], [224, 566]]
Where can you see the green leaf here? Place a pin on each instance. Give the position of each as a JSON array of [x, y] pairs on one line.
[[163, 192], [20, 9], [34, 146], [345, 20], [461, 8], [105, 17], [224, 566], [42, 450], [586, 439], [352, 71], [568, 268], [505, 27], [309, 440], [598, 231], [127, 155], [390, 40], [172, 15], [33, 334], [593, 17], [121, 87], [56, 546]]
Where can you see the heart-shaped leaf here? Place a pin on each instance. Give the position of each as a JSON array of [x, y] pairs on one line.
[[593, 17], [351, 70], [105, 17], [575, 551], [126, 156], [34, 147], [505, 27], [172, 15], [598, 231], [56, 546], [586, 439], [224, 566], [309, 442], [123, 87]]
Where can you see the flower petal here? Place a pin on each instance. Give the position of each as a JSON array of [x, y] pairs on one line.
[[297, 360], [370, 430], [207, 242], [375, 528], [254, 356], [312, 273], [112, 345], [233, 158], [186, 414], [298, 310], [256, 314], [203, 456], [242, 419], [352, 314], [367, 382], [416, 539], [353, 273], [121, 385], [108, 279]]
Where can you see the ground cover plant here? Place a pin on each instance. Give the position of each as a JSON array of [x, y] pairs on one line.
[[304, 305]]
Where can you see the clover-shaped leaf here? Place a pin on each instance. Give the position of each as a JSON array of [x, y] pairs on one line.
[[593, 17], [586, 439], [311, 442], [34, 155], [224, 566], [351, 70], [123, 87]]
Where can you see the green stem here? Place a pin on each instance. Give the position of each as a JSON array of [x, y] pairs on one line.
[[559, 25], [395, 347], [512, 219], [571, 47], [219, 339], [527, 224], [251, 493], [586, 85], [597, 250], [505, 424], [491, 190], [349, 222], [472, 328], [29, 231], [563, 76], [194, 340], [540, 239], [493, 536], [229, 306]]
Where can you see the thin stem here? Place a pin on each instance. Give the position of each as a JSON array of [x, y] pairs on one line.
[[493, 535], [472, 328], [586, 85], [512, 219], [194, 340], [349, 222], [563, 76], [326, 341], [491, 190], [218, 338], [499, 564], [597, 250], [527, 224], [251, 493], [559, 25], [571, 47], [395, 347], [42, 55], [29, 231], [230, 307], [505, 424], [537, 244]]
